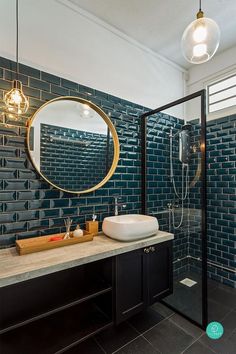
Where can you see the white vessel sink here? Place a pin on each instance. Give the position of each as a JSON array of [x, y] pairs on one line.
[[130, 227]]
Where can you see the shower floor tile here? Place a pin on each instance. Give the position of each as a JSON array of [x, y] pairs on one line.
[[188, 300]]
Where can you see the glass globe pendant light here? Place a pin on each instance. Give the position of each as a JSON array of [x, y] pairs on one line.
[[15, 100], [200, 39]]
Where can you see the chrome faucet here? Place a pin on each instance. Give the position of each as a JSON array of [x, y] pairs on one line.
[[116, 199], [116, 206]]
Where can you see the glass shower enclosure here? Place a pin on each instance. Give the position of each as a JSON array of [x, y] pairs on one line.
[[173, 139]]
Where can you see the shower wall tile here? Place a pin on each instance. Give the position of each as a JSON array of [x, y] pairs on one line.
[[221, 201], [221, 192], [160, 192]]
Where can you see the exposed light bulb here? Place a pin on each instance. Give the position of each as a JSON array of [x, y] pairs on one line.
[[199, 50], [200, 33], [86, 109], [86, 112], [15, 100], [16, 97], [200, 39]]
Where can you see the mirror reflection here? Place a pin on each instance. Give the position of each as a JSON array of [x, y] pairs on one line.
[[71, 144]]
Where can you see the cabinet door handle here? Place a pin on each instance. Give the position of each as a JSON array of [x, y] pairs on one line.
[[146, 250], [153, 249]]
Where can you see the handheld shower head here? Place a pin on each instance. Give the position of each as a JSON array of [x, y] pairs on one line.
[[184, 143]]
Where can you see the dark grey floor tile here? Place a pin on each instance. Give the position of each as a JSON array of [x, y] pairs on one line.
[[116, 337], [224, 287], [143, 321], [223, 296], [222, 345], [138, 346], [229, 324], [211, 285], [216, 311], [188, 304], [168, 338], [232, 339], [187, 299], [163, 310], [198, 348], [186, 325], [87, 347], [194, 312]]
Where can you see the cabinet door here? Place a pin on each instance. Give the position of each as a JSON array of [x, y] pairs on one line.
[[159, 271], [130, 284]]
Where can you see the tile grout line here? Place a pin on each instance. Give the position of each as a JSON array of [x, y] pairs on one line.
[[200, 343], [130, 324], [189, 346], [99, 345], [157, 324], [177, 325], [127, 344], [205, 345], [157, 350]]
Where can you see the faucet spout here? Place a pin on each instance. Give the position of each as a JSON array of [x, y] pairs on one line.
[[116, 206]]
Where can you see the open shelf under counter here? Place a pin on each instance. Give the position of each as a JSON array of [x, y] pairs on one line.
[[43, 296], [56, 333]]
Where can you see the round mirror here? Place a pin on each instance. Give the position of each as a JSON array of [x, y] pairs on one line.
[[73, 144]]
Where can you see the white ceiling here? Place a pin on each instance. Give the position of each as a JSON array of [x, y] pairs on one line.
[[159, 24]]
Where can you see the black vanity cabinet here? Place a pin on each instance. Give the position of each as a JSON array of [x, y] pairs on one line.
[[52, 313], [142, 277], [159, 271], [130, 284]]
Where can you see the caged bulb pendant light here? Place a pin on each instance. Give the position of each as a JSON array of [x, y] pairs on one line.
[[200, 39], [15, 100]]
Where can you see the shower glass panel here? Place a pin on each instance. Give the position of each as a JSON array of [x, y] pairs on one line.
[[174, 190]]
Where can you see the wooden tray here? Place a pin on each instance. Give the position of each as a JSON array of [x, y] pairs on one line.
[[42, 243]]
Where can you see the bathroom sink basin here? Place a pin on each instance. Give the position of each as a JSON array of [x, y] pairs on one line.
[[130, 227]]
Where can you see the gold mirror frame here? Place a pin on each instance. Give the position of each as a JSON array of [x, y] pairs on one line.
[[110, 125]]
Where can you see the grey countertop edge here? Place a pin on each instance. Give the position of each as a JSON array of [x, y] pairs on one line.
[[119, 248]]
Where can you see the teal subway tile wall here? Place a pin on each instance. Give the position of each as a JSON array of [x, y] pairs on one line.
[[29, 205], [221, 191], [60, 155]]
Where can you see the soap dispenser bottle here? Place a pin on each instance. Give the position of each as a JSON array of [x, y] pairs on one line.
[[78, 232]]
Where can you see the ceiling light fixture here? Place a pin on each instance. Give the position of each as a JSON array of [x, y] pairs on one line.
[[15, 99], [200, 39]]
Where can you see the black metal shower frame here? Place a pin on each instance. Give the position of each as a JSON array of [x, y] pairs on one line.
[[143, 117]]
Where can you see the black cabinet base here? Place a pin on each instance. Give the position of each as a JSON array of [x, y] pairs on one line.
[[142, 277], [51, 314]]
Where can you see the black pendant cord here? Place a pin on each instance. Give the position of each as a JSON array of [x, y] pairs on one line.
[[17, 40], [200, 5]]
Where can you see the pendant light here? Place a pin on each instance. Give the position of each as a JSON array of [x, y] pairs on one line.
[[200, 39], [15, 100]]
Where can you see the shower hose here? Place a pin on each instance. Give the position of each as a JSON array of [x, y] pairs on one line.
[[185, 186]]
